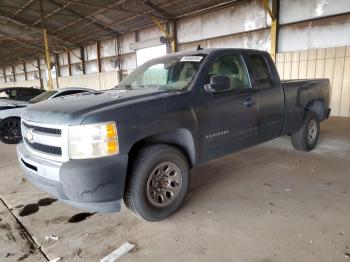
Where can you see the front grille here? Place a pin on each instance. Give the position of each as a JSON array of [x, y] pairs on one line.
[[45, 130], [53, 150], [46, 140]]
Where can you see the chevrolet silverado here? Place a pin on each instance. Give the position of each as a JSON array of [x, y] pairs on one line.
[[138, 141]]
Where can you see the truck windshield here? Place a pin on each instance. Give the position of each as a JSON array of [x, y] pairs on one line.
[[170, 73], [42, 97]]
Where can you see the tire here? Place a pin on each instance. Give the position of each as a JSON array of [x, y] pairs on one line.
[[306, 138], [141, 195], [10, 130]]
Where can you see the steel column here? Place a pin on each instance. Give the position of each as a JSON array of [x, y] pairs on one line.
[[25, 71], [48, 61], [82, 57], [4, 73], [40, 76], [14, 73], [167, 34], [69, 64], [273, 12], [98, 47]]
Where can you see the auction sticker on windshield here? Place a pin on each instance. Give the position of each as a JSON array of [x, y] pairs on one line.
[[191, 59]]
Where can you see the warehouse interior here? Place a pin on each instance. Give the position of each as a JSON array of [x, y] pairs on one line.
[[266, 203]]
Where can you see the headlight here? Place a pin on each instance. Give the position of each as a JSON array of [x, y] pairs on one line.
[[93, 141]]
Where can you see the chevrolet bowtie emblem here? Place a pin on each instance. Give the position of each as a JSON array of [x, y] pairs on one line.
[[30, 136]]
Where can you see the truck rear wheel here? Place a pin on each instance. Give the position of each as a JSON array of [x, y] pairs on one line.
[[307, 137], [158, 182], [10, 130]]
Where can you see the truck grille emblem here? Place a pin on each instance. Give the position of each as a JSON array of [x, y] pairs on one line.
[[30, 136]]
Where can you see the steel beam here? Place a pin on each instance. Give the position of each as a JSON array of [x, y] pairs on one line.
[[273, 12], [156, 8], [82, 55], [48, 60], [69, 63], [40, 76], [4, 73], [14, 73], [120, 72], [111, 7], [91, 19], [99, 64], [25, 71], [57, 64], [20, 10], [167, 34]]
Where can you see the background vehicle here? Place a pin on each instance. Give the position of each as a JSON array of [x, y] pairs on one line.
[[19, 93], [11, 110], [139, 141]]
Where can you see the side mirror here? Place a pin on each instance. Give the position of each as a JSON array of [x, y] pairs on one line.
[[218, 83]]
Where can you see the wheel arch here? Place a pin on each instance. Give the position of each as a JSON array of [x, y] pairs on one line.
[[10, 117], [180, 138], [317, 106]]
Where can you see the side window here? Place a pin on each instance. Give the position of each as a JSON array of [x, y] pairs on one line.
[[4, 94], [13, 93], [67, 93], [260, 71], [27, 92], [233, 67]]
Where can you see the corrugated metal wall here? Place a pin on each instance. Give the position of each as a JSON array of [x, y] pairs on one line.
[[332, 63]]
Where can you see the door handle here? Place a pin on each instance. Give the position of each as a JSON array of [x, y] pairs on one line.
[[249, 102]]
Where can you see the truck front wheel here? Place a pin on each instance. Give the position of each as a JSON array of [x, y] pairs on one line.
[[306, 138], [158, 182]]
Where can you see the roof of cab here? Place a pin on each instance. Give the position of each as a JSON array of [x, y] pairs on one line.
[[211, 50]]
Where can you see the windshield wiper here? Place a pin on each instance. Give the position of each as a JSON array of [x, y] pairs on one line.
[[127, 87], [151, 86]]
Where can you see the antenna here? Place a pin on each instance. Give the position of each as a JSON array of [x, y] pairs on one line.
[[199, 48]]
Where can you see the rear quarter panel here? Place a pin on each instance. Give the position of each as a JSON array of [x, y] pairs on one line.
[[298, 95]]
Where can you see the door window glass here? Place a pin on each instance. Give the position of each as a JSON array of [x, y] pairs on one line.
[[260, 71], [232, 67]]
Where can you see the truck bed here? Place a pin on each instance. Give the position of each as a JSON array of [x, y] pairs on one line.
[[297, 94]]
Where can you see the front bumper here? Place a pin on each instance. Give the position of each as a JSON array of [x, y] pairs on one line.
[[95, 185]]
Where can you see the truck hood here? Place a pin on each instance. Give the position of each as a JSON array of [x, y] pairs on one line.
[[72, 110]]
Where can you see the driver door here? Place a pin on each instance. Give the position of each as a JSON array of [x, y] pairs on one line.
[[228, 119]]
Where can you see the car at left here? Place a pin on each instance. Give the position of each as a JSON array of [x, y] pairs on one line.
[[11, 110], [11, 94]]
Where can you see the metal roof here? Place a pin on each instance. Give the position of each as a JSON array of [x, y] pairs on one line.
[[73, 23]]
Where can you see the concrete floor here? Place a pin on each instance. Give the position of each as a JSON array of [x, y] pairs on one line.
[[267, 203]]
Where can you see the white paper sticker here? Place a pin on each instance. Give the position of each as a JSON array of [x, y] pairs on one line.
[[191, 59]]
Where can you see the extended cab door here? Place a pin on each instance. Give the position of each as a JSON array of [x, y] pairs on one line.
[[227, 119], [265, 80]]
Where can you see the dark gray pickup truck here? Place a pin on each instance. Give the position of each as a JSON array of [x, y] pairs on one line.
[[138, 141]]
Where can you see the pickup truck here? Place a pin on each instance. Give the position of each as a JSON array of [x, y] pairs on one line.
[[138, 141]]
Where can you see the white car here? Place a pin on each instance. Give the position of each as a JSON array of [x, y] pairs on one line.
[[11, 110]]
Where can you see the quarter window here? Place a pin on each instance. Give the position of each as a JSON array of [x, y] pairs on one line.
[[232, 67]]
